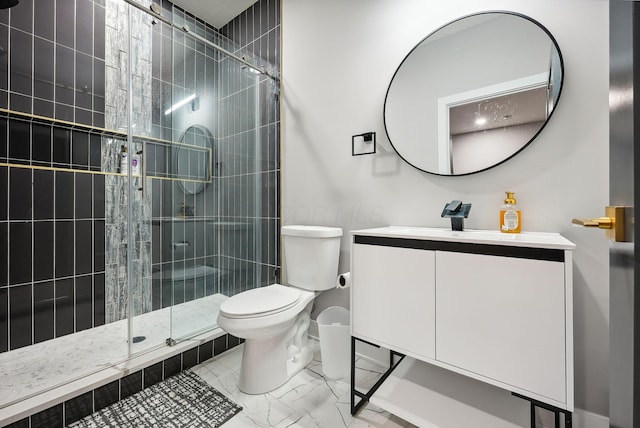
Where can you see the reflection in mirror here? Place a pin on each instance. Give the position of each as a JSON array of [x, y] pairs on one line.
[[473, 93], [192, 159]]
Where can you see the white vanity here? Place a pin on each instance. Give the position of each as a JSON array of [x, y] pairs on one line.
[[491, 306]]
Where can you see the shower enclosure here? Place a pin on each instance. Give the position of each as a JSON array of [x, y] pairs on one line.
[[160, 188]]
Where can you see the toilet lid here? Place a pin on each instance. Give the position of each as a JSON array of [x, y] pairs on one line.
[[260, 301]]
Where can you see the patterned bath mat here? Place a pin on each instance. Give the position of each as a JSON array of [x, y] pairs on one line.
[[183, 400]]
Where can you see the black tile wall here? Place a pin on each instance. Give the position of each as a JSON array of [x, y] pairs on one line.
[[64, 252], [152, 374], [43, 191], [44, 18], [52, 417], [98, 299], [20, 207], [43, 311], [172, 365], [131, 384], [64, 319], [23, 423], [99, 242], [64, 17], [78, 407], [177, 61], [52, 245], [3, 141], [80, 150], [84, 303], [41, 145], [4, 319], [84, 404], [21, 64], [20, 240], [220, 345], [55, 66], [21, 315], [205, 351], [84, 247], [44, 251], [4, 253], [84, 196], [257, 31], [61, 148], [43, 78], [22, 16], [19, 139], [189, 358], [106, 395]]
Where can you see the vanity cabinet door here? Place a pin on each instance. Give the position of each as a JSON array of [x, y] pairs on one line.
[[503, 318], [393, 298]]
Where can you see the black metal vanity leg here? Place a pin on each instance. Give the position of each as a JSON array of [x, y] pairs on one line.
[[556, 411], [364, 397], [568, 420], [353, 375], [533, 415]]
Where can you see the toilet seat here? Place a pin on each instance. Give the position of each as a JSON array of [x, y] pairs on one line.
[[260, 302]]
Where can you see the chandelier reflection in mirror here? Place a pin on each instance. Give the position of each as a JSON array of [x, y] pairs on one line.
[[474, 93]]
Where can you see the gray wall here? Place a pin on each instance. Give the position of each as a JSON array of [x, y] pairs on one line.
[[334, 83]]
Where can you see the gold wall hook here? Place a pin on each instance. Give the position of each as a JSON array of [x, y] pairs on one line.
[[612, 222]]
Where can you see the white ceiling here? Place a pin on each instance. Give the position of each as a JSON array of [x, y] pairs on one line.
[[215, 12], [506, 110]]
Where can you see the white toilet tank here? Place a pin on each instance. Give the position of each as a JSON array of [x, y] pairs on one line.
[[311, 256]]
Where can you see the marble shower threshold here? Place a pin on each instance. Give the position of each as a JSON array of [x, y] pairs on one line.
[[47, 373]]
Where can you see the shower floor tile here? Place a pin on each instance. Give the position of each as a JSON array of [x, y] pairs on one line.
[[31, 370]]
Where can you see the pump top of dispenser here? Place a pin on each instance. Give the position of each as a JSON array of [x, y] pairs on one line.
[[510, 200]]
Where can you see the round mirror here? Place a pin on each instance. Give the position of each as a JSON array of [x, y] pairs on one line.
[[473, 93], [192, 159]]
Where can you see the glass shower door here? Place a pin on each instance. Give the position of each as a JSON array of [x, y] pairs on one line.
[[220, 136], [149, 315], [196, 211]]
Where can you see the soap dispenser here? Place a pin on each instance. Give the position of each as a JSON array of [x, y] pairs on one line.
[[510, 215], [124, 160]]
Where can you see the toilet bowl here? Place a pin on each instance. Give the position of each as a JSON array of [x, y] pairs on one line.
[[274, 320]]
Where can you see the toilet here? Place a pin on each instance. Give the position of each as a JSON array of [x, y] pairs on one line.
[[274, 320]]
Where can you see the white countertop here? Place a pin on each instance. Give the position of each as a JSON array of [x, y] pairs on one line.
[[471, 236]]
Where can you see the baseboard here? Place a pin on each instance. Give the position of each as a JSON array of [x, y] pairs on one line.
[[585, 419]]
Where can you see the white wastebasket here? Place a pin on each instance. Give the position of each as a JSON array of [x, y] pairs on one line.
[[333, 328]]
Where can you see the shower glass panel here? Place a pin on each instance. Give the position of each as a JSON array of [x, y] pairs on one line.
[[199, 135], [214, 197]]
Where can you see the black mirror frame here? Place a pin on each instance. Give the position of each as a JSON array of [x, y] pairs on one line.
[[528, 18]]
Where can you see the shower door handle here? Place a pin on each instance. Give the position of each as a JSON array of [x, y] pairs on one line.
[[143, 178]]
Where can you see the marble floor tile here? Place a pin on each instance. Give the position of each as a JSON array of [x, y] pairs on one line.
[[307, 400]]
